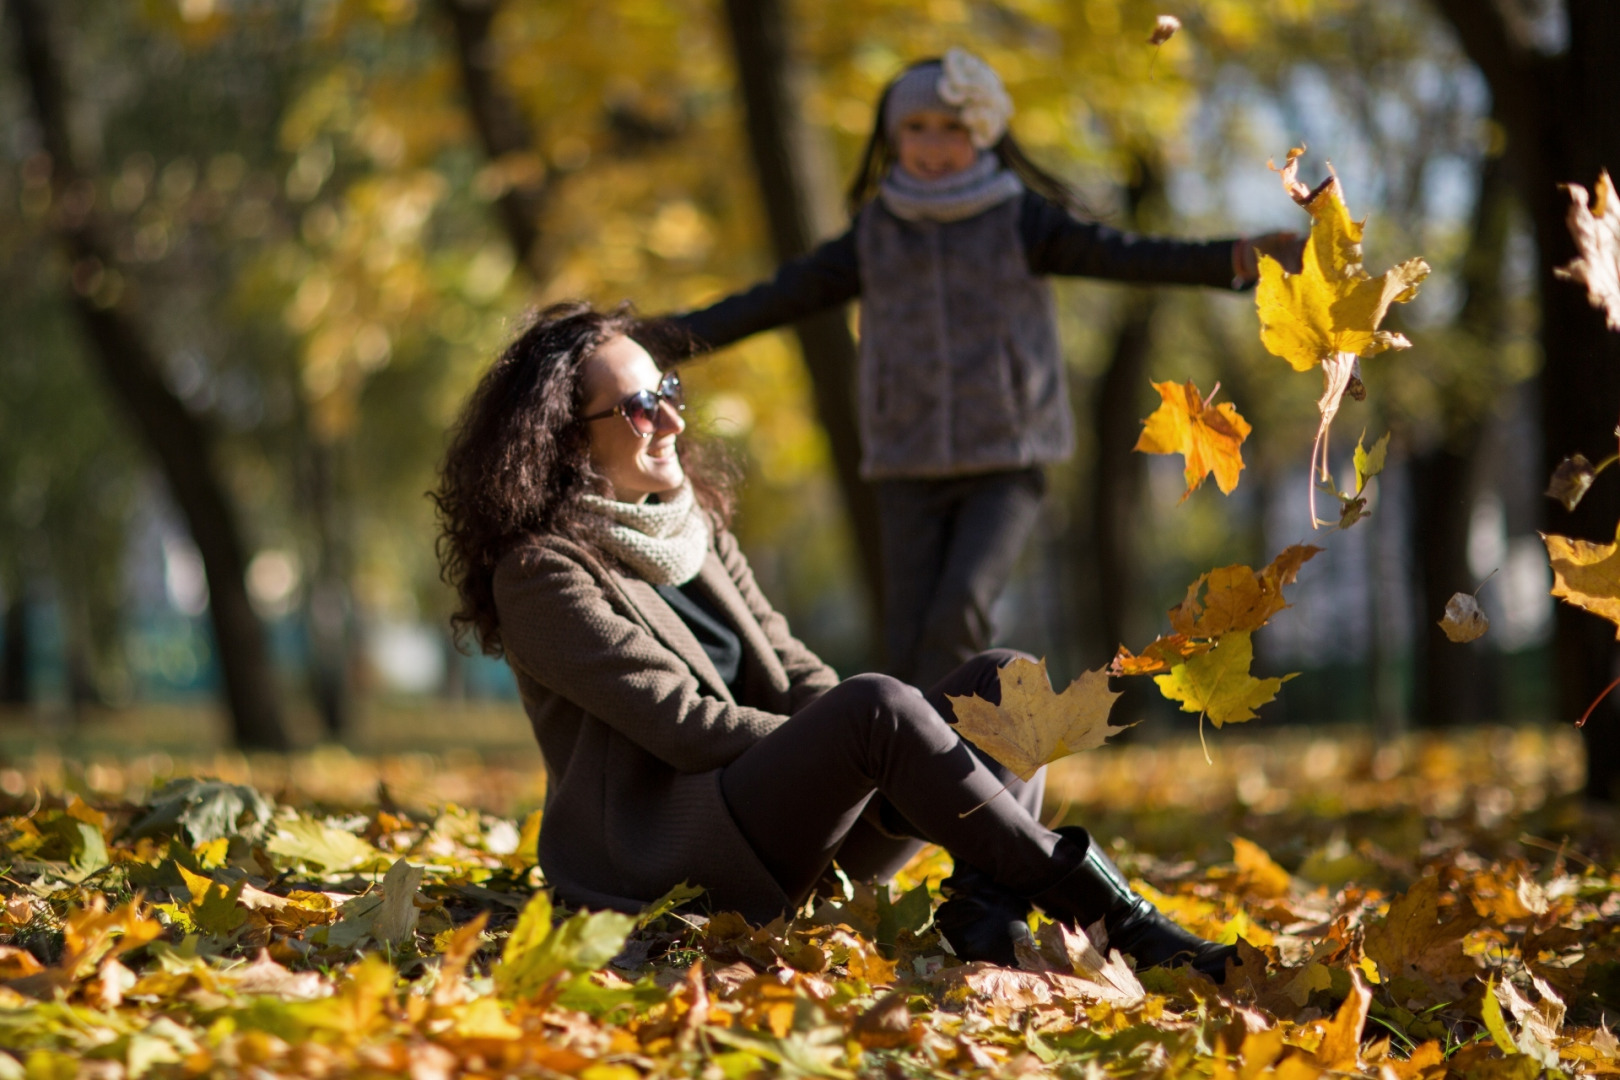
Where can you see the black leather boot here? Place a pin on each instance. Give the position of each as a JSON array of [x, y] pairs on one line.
[[979, 918], [1095, 889]]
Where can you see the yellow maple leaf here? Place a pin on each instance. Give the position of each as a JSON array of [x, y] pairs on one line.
[[1236, 598], [1210, 438], [1329, 313], [1033, 726], [1586, 575], [1218, 685]]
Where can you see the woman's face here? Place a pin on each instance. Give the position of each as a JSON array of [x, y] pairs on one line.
[[933, 143], [635, 466]]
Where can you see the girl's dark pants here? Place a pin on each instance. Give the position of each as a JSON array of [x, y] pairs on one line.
[[875, 748], [949, 548]]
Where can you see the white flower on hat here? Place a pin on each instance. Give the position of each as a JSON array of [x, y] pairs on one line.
[[973, 86]]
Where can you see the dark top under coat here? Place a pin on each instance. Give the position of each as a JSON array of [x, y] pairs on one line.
[[719, 640]]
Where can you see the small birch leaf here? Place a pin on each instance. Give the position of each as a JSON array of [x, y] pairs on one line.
[[1571, 480], [1464, 619]]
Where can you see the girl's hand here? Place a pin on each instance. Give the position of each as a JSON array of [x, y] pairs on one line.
[[1287, 248]]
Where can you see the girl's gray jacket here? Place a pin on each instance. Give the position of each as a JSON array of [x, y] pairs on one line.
[[960, 367]]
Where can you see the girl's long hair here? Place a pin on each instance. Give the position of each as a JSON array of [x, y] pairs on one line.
[[519, 458], [879, 156]]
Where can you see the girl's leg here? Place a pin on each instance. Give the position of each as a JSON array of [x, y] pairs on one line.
[[797, 792], [989, 528], [915, 519]]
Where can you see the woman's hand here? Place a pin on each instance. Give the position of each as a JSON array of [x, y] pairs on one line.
[[1286, 247]]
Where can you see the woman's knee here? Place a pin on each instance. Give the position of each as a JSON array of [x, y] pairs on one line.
[[877, 694]]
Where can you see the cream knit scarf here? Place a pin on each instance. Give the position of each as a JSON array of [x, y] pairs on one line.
[[950, 198], [663, 542]]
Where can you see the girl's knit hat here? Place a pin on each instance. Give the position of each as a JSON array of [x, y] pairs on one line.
[[960, 83]]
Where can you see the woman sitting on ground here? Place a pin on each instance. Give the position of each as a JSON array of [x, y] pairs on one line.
[[687, 735]]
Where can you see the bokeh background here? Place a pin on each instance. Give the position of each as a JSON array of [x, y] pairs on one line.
[[254, 253]]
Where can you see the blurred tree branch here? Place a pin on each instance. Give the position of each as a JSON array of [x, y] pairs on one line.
[[507, 136], [180, 442]]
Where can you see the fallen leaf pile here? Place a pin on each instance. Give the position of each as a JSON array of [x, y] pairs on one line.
[[1395, 913]]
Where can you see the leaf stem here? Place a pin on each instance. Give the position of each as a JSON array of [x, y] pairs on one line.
[[1587, 715], [984, 804], [1212, 392], [1487, 581], [1204, 745]]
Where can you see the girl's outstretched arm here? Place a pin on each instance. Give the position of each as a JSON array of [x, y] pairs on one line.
[[827, 276], [1055, 242]]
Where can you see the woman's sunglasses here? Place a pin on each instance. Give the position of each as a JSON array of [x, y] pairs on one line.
[[640, 409]]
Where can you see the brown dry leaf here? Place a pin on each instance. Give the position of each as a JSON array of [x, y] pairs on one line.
[[395, 921], [265, 976], [1033, 726], [1464, 619], [1586, 575], [1107, 978], [1413, 942], [1340, 1048], [1258, 875], [1596, 229], [1164, 28], [1209, 438], [1238, 598], [1571, 480], [887, 1024]]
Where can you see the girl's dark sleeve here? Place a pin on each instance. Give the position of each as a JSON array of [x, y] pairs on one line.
[[1055, 242], [827, 276]]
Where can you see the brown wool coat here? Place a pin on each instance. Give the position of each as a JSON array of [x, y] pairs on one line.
[[635, 724]]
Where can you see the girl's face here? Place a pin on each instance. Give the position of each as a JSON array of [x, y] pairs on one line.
[[634, 465], [932, 144]]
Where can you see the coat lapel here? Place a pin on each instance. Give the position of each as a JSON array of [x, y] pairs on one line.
[[673, 632], [722, 590]]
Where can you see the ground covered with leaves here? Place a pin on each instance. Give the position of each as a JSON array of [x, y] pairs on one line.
[[1405, 908]]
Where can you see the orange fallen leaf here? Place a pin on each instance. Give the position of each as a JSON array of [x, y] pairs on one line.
[[1236, 598], [1209, 438]]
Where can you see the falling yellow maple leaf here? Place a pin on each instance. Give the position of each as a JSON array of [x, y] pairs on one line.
[[1033, 726], [1586, 575], [1210, 438], [1596, 229], [1218, 685], [1236, 598], [1329, 313]]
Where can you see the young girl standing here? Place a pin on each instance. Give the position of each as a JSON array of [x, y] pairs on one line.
[[962, 398]]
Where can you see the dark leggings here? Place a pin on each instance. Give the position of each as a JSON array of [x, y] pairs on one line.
[[799, 792]]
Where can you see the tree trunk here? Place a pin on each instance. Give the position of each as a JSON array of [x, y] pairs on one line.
[[1116, 488], [785, 162], [1451, 682], [179, 442], [1561, 128], [16, 687]]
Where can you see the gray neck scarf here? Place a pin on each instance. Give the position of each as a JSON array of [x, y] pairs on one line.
[[951, 198], [664, 543]]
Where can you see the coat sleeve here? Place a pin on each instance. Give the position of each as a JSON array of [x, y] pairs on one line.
[[559, 628], [1056, 242], [827, 276], [808, 676]]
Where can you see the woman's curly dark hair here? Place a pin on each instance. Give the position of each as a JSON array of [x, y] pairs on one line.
[[519, 459]]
